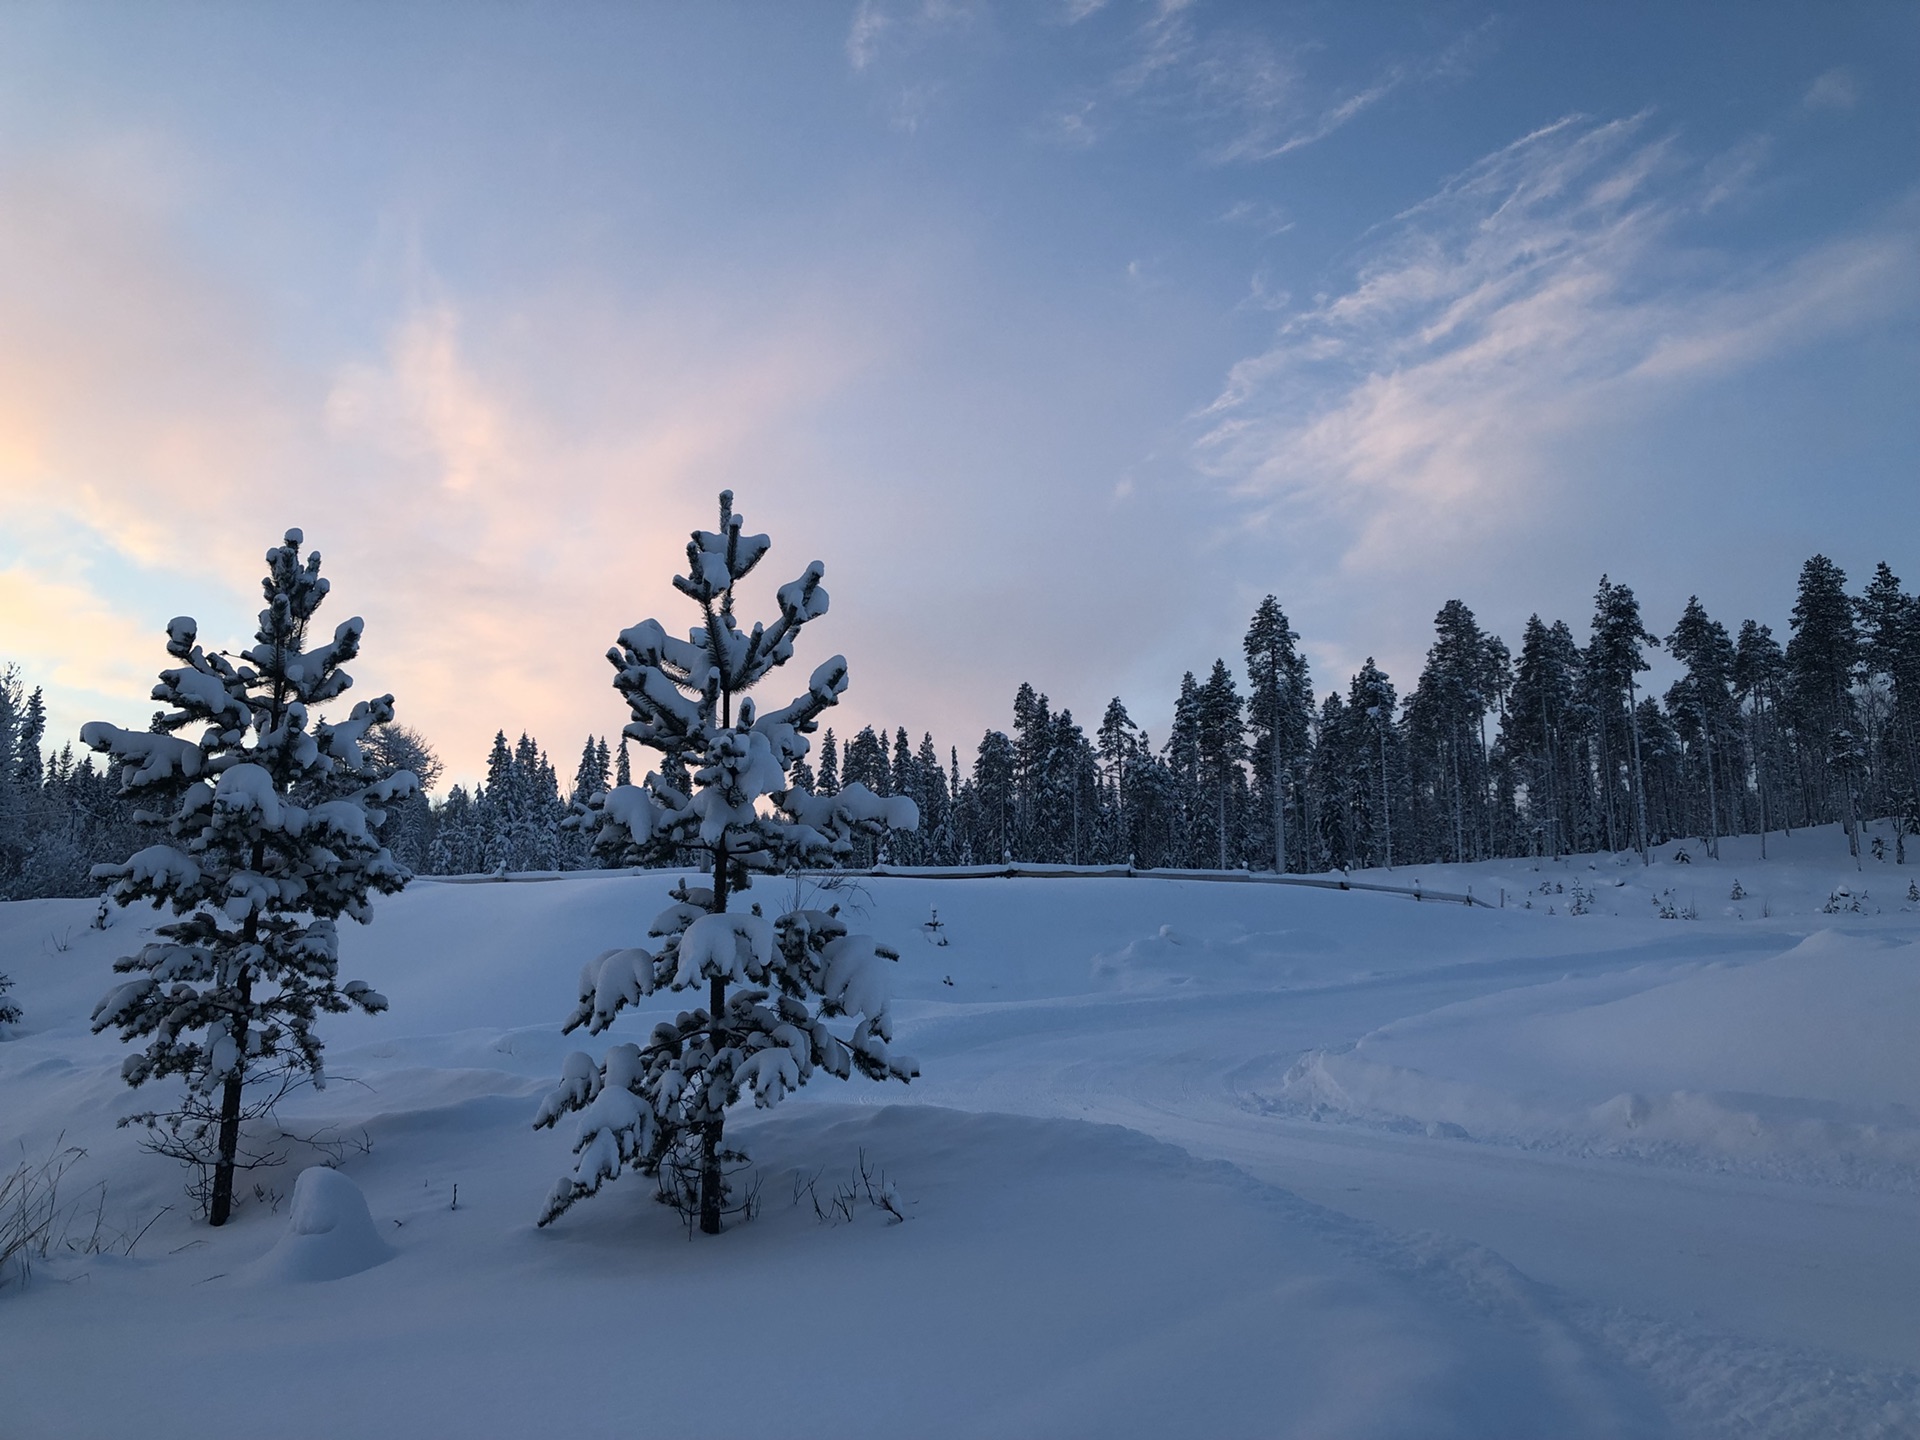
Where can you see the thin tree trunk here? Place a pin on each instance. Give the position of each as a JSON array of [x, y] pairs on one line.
[[1913, 765], [1459, 800], [1221, 822], [1853, 810], [1386, 805], [1639, 782], [1279, 798], [1553, 783], [220, 1207], [712, 1182], [1713, 813], [1609, 783]]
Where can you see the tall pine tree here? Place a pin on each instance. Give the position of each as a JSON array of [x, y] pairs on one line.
[[1821, 655], [1279, 711]]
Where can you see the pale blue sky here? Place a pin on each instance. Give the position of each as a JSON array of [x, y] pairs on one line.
[[1060, 332]]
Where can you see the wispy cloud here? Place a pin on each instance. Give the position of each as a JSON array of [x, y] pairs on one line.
[[1074, 125], [1539, 297], [1252, 93], [879, 26], [869, 27], [1837, 89]]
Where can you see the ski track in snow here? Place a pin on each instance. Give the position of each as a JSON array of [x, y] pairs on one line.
[[1185, 1158]]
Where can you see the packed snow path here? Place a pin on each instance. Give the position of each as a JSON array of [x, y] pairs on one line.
[[1601, 1173]]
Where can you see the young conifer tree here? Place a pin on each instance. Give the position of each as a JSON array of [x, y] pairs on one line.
[[771, 986], [271, 819]]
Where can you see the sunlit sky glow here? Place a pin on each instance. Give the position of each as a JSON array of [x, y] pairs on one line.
[[1060, 332]]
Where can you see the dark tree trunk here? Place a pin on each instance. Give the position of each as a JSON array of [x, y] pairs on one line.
[[222, 1205], [712, 1183]]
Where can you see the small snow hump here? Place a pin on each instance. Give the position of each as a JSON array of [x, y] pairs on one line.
[[295, 536], [330, 1232]]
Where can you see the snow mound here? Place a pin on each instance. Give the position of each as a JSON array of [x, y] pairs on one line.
[[330, 1232]]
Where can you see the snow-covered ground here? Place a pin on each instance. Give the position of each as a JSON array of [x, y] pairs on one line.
[[1186, 1158]]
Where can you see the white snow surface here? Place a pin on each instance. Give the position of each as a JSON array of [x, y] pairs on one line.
[[1185, 1158]]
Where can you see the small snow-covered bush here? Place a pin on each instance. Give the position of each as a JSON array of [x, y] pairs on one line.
[[1843, 900]]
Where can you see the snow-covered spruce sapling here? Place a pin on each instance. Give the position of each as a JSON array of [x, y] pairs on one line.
[[723, 791], [271, 820]]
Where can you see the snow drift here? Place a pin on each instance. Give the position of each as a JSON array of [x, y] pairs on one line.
[[330, 1232]]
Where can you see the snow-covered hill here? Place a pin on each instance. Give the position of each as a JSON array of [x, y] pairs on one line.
[[1185, 1158]]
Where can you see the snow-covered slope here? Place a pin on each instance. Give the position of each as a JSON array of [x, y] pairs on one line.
[[1492, 1172]]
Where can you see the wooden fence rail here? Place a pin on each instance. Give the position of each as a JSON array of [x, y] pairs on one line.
[[1019, 872]]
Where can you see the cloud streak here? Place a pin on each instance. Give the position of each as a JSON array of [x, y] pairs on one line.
[[1834, 90], [1252, 92], [878, 27]]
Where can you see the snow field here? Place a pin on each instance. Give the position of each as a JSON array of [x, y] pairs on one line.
[[1492, 1173]]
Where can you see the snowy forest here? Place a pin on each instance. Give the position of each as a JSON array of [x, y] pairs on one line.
[[1492, 753]]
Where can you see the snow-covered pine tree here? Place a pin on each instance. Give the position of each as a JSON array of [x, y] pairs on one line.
[[995, 772], [663, 1104], [1821, 658], [865, 764], [1115, 742], [936, 805], [591, 777], [1541, 734], [1759, 669], [906, 781], [271, 818], [801, 773], [1279, 715], [1218, 737], [409, 828], [451, 851], [16, 829], [1614, 659], [1371, 698], [829, 766], [1701, 702]]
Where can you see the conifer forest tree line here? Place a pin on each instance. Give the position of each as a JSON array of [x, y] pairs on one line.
[[1556, 748]]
